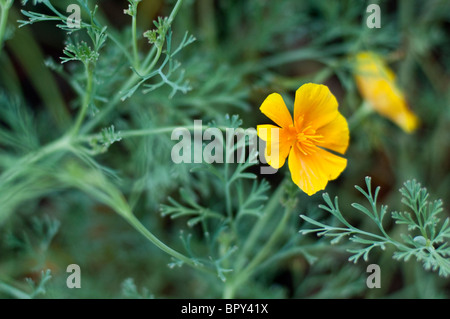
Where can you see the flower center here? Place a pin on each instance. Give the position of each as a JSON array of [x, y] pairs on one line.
[[307, 140]]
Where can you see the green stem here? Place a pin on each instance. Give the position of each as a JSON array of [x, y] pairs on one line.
[[136, 133], [14, 292], [134, 39], [271, 242], [208, 23], [112, 104], [362, 232], [419, 216], [153, 131], [228, 200], [242, 276], [228, 204], [149, 56], [154, 61], [227, 194], [5, 6], [143, 132], [381, 228], [378, 218], [259, 226], [86, 100], [228, 292], [295, 251], [174, 12], [158, 243], [362, 113], [111, 35], [33, 157], [133, 80]]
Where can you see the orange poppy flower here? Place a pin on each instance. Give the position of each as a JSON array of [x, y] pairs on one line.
[[316, 129], [376, 83]]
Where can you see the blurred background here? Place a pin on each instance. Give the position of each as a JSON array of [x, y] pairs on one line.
[[244, 51]]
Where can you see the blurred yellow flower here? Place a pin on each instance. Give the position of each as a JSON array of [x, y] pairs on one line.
[[317, 127], [376, 83]]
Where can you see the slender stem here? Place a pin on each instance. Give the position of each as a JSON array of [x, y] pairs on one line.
[[153, 131], [5, 6], [117, 98], [149, 56], [228, 200], [378, 218], [57, 145], [144, 132], [259, 226], [295, 251], [228, 204], [362, 113], [416, 211], [111, 35], [208, 23], [158, 243], [272, 240], [362, 232], [86, 100], [381, 228], [174, 12], [154, 61], [134, 38], [228, 292], [112, 104], [133, 80], [244, 275], [227, 193], [136, 133], [33, 157], [14, 292]]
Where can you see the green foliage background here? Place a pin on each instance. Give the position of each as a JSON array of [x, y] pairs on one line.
[[61, 209]]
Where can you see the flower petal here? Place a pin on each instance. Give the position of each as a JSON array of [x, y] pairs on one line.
[[335, 134], [278, 144], [264, 130], [316, 104], [312, 172], [275, 109], [376, 83]]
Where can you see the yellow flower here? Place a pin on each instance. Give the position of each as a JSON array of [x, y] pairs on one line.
[[376, 83], [316, 128]]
